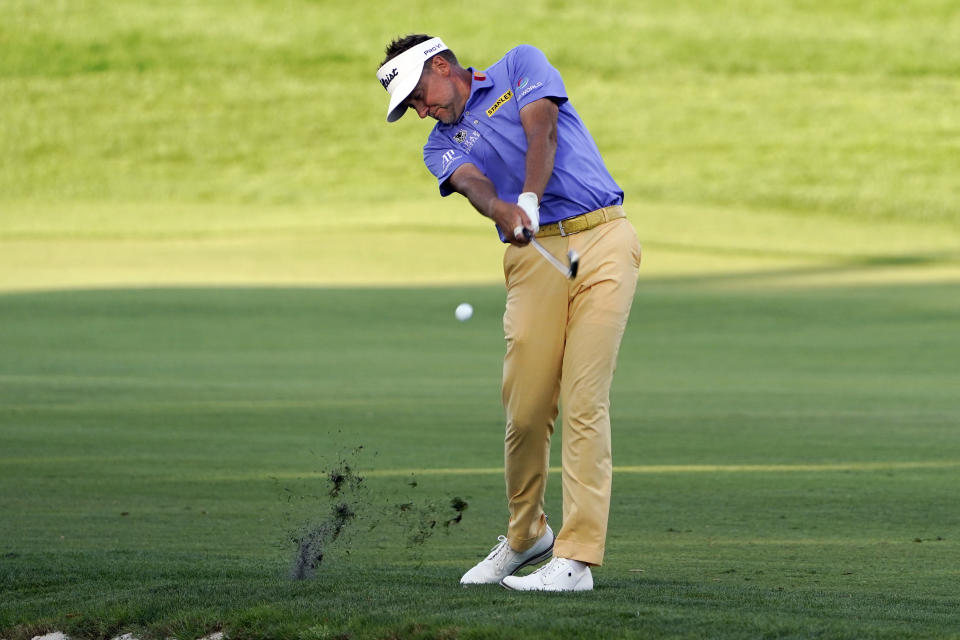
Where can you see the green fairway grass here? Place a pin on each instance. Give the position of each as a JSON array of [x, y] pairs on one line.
[[786, 464], [223, 276]]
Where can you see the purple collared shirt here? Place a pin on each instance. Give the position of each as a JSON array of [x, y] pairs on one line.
[[490, 136]]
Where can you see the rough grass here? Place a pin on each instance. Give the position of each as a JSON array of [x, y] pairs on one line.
[[206, 143], [846, 108]]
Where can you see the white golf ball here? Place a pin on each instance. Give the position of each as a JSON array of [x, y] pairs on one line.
[[463, 312]]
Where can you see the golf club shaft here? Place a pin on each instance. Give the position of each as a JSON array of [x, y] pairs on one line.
[[550, 257]]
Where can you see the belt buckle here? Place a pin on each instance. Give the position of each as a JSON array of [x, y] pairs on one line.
[[563, 232]]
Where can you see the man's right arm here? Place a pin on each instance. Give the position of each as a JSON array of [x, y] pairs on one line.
[[470, 182]]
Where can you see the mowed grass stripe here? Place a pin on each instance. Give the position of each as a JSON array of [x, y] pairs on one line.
[[480, 471], [829, 467]]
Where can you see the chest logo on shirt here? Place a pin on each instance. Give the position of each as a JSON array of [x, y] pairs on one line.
[[466, 140], [500, 102]]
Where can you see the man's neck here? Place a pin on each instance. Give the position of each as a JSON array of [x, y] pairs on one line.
[[463, 81]]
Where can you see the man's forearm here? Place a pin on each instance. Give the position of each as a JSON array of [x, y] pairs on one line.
[[468, 181], [541, 151], [540, 125], [481, 193]]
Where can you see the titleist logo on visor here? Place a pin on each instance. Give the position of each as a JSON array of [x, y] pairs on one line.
[[399, 75], [387, 79]]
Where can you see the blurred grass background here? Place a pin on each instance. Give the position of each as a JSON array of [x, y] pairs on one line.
[[244, 142]]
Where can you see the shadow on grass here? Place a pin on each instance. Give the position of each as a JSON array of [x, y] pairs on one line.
[[826, 265]]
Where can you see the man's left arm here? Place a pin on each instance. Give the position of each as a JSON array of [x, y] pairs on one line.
[[539, 121]]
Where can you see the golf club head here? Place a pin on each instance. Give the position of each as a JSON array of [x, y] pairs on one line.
[[574, 258]]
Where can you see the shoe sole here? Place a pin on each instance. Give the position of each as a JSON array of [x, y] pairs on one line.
[[509, 588]]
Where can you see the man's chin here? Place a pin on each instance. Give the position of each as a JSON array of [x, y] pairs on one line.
[[447, 118]]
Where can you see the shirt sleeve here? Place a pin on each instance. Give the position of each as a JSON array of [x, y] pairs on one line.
[[533, 77], [442, 159]]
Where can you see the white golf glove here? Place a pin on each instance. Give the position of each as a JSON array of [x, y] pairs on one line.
[[530, 204]]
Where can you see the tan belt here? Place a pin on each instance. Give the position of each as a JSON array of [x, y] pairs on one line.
[[582, 222]]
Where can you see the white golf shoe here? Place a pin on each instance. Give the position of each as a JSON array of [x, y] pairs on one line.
[[504, 561], [560, 574]]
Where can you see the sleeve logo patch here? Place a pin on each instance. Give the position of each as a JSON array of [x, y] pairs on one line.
[[447, 159], [531, 87], [500, 102]]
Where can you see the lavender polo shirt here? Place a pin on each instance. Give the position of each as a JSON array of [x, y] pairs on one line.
[[490, 136]]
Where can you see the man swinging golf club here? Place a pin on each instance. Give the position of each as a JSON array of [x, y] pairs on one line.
[[508, 139]]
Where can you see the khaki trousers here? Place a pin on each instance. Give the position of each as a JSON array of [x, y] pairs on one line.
[[562, 342]]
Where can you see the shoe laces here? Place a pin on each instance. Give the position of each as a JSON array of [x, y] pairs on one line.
[[555, 566], [499, 551]]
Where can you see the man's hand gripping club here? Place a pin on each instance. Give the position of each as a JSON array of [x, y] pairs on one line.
[[528, 201], [511, 218]]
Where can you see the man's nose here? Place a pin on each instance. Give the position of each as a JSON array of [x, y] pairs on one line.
[[422, 111]]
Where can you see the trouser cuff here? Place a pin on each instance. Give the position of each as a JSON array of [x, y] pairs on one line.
[[522, 544], [582, 552]]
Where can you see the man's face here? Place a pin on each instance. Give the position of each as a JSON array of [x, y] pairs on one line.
[[436, 95]]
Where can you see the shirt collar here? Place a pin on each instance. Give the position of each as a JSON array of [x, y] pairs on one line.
[[481, 80]]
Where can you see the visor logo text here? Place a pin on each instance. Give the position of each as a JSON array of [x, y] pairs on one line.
[[387, 79]]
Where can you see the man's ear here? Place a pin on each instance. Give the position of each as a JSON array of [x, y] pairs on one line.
[[439, 65]]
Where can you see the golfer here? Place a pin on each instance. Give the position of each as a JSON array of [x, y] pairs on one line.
[[508, 139]]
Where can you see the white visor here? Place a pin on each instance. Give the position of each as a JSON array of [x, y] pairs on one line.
[[400, 75]]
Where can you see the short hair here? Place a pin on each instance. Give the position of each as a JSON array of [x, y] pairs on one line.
[[400, 45]]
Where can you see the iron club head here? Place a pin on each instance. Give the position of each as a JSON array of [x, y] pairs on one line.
[[574, 259]]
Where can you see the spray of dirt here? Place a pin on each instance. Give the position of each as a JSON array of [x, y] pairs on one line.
[[346, 501], [459, 505], [422, 519], [313, 543]]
